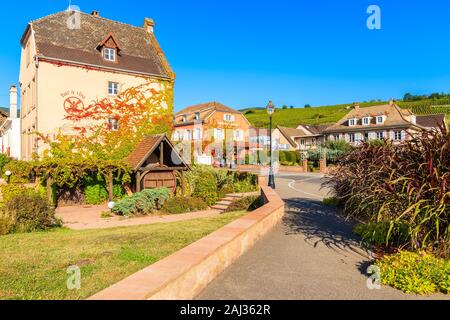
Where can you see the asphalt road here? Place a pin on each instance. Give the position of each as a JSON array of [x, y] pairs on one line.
[[312, 255]]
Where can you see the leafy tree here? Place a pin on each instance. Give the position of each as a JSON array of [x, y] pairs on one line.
[[307, 106]]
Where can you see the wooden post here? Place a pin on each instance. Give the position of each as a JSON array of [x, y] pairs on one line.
[[138, 182], [110, 186], [183, 191], [161, 155]]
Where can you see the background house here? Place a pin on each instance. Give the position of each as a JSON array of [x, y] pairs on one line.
[[212, 123], [10, 140], [376, 122], [71, 59]]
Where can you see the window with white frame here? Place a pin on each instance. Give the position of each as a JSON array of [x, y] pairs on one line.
[[366, 121], [380, 135], [380, 119], [187, 135], [229, 118], [113, 88], [198, 134], [238, 135], [352, 137], [352, 122], [398, 136], [113, 124], [218, 134], [336, 137], [109, 54]]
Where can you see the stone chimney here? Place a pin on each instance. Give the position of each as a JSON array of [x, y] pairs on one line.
[[13, 102], [149, 25], [356, 105], [95, 13]]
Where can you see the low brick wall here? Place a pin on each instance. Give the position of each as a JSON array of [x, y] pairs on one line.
[[185, 274]]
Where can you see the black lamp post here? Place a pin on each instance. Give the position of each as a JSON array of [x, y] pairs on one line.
[[271, 111], [8, 176]]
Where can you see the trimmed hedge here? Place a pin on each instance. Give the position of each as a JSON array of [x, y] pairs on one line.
[[142, 203], [178, 205]]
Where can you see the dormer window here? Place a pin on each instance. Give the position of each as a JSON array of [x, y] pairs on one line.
[[197, 116], [184, 118], [352, 122], [380, 119], [109, 54], [366, 121]]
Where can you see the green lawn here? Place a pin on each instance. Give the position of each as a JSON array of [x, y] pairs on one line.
[[34, 266]]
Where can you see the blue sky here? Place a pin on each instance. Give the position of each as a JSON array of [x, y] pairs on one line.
[[243, 53]]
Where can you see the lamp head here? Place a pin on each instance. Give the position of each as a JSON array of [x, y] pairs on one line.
[[270, 108]]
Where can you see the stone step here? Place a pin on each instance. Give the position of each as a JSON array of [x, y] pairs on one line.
[[220, 207], [225, 202]]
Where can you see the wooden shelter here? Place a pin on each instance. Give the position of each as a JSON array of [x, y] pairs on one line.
[[156, 164]]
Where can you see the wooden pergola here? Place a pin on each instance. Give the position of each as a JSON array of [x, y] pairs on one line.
[[156, 163]]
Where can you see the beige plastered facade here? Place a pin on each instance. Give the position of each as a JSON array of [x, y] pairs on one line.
[[48, 86]]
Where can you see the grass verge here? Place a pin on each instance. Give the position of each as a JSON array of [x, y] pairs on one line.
[[34, 266]]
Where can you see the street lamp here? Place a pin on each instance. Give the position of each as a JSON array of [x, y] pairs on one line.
[[111, 206], [271, 110], [8, 176]]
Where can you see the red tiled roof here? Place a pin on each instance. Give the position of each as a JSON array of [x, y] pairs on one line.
[[144, 148], [139, 51], [431, 120]]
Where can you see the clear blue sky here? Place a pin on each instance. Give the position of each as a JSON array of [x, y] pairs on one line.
[[244, 53]]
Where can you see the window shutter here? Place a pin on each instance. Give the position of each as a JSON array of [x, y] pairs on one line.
[[392, 135], [403, 135]]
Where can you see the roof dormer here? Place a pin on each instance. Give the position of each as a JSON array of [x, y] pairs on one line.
[[380, 119], [109, 48], [352, 122]]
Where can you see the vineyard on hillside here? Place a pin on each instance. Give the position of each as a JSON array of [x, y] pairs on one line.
[[331, 114]]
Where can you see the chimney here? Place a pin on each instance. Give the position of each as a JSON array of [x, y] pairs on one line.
[[149, 25], [95, 13], [356, 105], [13, 102]]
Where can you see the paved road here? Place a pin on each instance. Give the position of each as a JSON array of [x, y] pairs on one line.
[[311, 255]]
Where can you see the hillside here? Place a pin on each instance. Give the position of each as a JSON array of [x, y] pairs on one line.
[[330, 114]]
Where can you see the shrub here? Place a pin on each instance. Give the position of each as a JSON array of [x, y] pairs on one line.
[[332, 202], [415, 273], [177, 205], [22, 171], [96, 192], [383, 233], [142, 203], [27, 212], [4, 160], [406, 184], [246, 204]]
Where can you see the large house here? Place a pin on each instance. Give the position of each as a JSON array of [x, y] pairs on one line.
[[10, 128], [71, 59], [377, 122], [303, 138], [212, 123]]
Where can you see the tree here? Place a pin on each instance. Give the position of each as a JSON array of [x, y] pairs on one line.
[[307, 106], [111, 128], [292, 107], [285, 107]]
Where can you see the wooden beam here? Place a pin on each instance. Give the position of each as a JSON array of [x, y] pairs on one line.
[[147, 169], [161, 155], [138, 182], [183, 191]]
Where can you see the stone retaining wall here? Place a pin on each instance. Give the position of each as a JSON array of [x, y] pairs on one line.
[[185, 274]]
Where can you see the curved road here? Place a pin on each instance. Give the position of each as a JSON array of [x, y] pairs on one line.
[[313, 254]]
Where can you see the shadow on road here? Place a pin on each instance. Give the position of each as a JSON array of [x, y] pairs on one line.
[[320, 224]]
